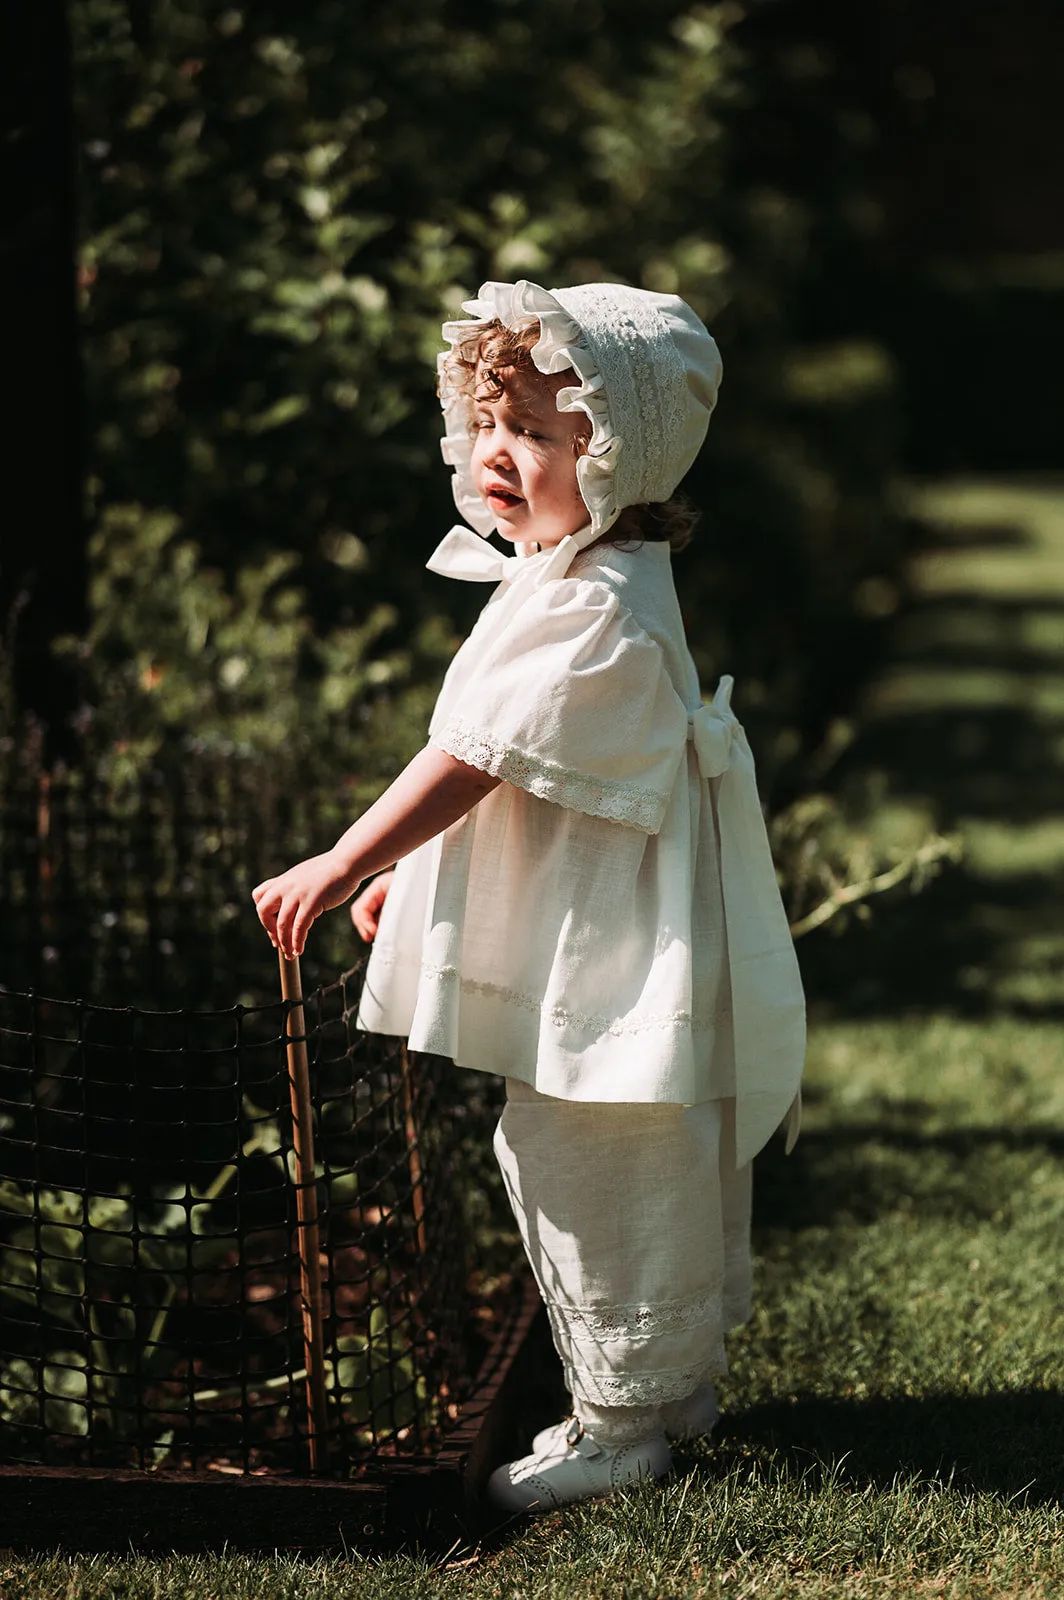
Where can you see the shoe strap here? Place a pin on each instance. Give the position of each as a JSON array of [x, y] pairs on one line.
[[582, 1442]]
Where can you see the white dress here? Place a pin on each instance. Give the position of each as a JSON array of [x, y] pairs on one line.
[[604, 926]]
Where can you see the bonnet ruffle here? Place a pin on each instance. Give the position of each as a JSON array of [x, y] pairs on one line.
[[647, 376]]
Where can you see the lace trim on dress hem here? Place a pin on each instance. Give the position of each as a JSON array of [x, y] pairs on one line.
[[633, 1022], [595, 797]]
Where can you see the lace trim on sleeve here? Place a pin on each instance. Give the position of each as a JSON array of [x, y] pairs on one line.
[[576, 791]]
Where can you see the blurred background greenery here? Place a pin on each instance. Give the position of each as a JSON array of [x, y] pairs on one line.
[[232, 439]]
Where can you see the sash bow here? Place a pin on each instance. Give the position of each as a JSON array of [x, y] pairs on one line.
[[767, 1010], [712, 729]]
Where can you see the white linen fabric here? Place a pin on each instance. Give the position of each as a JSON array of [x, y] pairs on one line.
[[605, 925], [642, 1275]]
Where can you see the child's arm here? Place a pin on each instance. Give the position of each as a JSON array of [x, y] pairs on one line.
[[431, 793]]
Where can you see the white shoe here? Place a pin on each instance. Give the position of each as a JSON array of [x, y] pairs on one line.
[[567, 1465], [695, 1415], [690, 1418]]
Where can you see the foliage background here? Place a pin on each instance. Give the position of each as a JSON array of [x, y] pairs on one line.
[[274, 210], [279, 207]]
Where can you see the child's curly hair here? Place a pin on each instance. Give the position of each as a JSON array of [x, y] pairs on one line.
[[496, 347]]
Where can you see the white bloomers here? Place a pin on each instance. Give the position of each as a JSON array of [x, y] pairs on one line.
[[636, 1222]]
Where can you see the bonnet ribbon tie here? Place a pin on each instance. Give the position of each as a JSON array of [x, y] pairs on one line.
[[768, 1010], [465, 554]]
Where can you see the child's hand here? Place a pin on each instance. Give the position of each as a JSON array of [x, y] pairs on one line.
[[289, 904], [366, 907]]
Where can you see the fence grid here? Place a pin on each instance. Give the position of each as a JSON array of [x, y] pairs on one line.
[[150, 1311], [149, 1275]]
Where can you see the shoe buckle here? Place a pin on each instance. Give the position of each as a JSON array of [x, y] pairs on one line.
[[574, 1432]]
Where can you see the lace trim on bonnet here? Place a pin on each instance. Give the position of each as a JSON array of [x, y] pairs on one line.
[[632, 388]]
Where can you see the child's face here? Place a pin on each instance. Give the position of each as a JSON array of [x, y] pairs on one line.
[[524, 456]]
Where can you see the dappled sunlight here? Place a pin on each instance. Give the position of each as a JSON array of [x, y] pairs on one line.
[[965, 728]]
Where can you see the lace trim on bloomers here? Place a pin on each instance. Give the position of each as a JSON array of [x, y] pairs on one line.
[[580, 1332], [643, 1388], [607, 1324], [595, 797]]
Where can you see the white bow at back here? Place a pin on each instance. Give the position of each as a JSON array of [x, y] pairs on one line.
[[712, 729]]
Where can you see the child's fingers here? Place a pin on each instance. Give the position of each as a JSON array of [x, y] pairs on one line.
[[276, 907], [267, 900], [291, 926], [304, 920], [283, 927], [267, 914]]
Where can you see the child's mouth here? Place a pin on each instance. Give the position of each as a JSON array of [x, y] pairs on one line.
[[502, 499]]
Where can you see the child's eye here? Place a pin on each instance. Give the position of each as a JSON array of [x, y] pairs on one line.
[[526, 433]]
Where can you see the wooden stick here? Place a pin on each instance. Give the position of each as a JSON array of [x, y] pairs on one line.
[[413, 1154], [306, 1213]]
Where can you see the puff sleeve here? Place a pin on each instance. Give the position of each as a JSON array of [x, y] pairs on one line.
[[567, 697]]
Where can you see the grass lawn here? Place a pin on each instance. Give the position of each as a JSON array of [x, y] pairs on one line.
[[894, 1416]]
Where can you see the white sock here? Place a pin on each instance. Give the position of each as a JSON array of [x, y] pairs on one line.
[[615, 1426]]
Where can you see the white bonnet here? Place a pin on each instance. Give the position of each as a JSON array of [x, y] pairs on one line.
[[648, 373]]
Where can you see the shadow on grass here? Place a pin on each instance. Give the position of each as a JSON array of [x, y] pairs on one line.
[[994, 761], [1009, 1444], [862, 1171], [971, 719], [967, 944]]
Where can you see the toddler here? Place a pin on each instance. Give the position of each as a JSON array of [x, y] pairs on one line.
[[584, 900]]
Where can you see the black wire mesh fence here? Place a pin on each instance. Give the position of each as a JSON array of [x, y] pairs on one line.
[[149, 1282], [150, 1305], [132, 882]]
